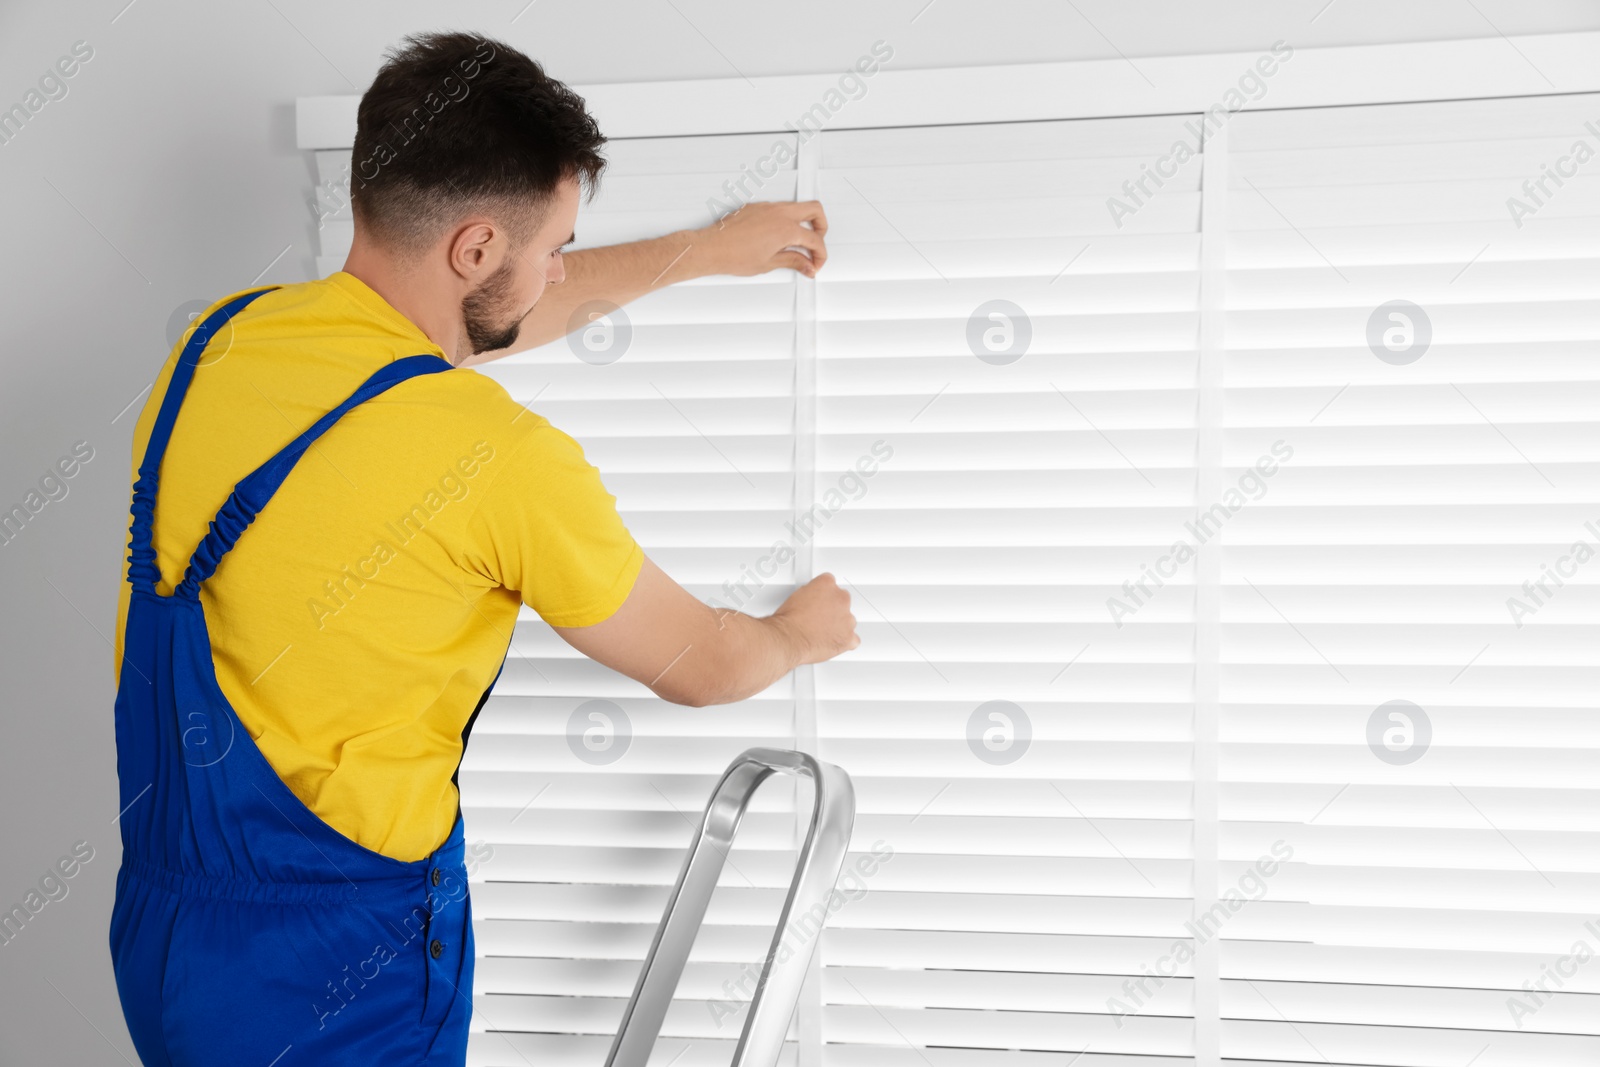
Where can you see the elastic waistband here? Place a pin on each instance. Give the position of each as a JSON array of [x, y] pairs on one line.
[[185, 884]]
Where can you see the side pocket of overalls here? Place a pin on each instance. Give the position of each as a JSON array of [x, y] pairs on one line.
[[140, 938], [449, 990]]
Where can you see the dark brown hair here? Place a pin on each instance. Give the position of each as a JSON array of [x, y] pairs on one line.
[[456, 123]]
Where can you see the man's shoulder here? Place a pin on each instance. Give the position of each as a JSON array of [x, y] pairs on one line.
[[269, 299], [468, 405], [480, 399]]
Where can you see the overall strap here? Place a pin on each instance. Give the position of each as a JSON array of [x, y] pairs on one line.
[[253, 491], [143, 572]]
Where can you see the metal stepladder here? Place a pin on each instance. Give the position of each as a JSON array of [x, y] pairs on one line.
[[777, 992]]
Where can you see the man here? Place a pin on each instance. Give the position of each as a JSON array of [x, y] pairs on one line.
[[366, 518]]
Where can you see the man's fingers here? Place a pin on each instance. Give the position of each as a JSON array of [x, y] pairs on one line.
[[811, 241], [796, 261], [811, 211], [753, 229]]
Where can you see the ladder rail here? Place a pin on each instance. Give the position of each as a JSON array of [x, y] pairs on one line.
[[778, 989]]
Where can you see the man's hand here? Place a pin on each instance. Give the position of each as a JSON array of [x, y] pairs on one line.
[[762, 236], [818, 617]]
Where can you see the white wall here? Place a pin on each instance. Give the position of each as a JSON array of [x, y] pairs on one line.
[[168, 174]]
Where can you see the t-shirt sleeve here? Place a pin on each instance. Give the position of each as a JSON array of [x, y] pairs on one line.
[[548, 528]]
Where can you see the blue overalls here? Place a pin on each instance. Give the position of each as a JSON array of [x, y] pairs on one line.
[[247, 932]]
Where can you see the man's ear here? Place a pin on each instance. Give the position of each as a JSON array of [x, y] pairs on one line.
[[471, 248]]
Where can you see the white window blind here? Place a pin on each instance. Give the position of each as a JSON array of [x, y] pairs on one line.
[[1021, 493], [1139, 800], [692, 424], [1424, 490]]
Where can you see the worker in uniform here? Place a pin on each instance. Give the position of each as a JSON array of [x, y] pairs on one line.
[[335, 522]]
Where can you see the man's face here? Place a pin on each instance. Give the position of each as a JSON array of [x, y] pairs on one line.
[[493, 312]]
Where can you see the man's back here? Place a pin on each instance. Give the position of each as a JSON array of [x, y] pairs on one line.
[[290, 718], [361, 618]]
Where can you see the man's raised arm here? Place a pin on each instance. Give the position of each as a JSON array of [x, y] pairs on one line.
[[757, 238]]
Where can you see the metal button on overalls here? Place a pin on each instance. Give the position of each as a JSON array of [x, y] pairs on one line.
[[244, 926]]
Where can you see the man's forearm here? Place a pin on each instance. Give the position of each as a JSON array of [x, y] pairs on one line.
[[687, 652], [615, 274], [744, 656]]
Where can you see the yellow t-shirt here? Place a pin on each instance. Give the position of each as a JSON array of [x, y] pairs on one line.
[[359, 619]]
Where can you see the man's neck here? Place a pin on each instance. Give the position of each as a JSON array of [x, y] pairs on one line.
[[414, 295]]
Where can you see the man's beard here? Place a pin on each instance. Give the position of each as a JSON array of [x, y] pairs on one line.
[[489, 313]]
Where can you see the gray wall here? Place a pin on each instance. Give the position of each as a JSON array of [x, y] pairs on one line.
[[168, 174]]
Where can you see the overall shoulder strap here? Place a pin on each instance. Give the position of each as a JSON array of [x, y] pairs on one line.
[[143, 572], [253, 491]]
